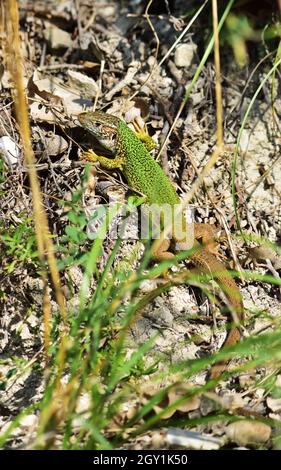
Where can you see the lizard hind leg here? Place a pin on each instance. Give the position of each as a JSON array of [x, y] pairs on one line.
[[207, 234], [159, 252]]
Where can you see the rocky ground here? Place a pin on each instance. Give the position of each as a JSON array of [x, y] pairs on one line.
[[106, 53]]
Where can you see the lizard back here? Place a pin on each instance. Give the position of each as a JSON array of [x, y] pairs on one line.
[[141, 170]]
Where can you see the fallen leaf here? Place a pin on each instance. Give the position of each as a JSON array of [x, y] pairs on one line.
[[54, 93]]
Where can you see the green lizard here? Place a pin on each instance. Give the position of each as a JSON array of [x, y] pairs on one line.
[[144, 174]]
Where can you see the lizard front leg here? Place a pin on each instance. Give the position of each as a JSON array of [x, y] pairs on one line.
[[144, 137], [108, 163]]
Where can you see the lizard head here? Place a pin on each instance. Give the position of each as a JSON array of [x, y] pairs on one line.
[[102, 126]]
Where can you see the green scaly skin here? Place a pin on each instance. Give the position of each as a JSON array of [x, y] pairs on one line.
[[144, 175], [140, 169]]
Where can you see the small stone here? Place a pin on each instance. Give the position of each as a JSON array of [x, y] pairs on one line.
[[56, 37], [24, 332], [84, 84], [32, 320], [245, 380], [274, 404], [192, 440], [184, 55], [83, 403], [9, 150], [278, 381], [162, 316], [55, 144], [248, 432], [29, 421]]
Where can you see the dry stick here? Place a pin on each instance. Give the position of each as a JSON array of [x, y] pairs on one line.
[[218, 75], [261, 178], [44, 242], [219, 111], [99, 91], [23, 370], [41, 68], [79, 26], [230, 244]]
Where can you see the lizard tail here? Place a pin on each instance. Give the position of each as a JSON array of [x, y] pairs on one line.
[[233, 337], [208, 264]]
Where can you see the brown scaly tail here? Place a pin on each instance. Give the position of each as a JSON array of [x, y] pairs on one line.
[[208, 264]]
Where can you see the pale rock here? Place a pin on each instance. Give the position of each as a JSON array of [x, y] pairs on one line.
[[29, 421], [274, 404], [9, 151], [192, 440], [184, 55], [56, 37], [55, 145], [248, 432]]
